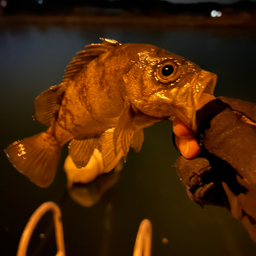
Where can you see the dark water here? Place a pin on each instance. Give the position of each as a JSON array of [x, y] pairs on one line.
[[31, 60]]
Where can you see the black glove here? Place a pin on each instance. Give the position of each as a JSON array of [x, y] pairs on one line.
[[227, 133]]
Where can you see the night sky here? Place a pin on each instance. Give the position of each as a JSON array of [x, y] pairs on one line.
[[202, 1]]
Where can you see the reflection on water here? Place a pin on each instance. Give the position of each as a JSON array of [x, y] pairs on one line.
[[90, 193], [31, 60]]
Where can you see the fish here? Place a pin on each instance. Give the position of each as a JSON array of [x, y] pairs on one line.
[[109, 93]]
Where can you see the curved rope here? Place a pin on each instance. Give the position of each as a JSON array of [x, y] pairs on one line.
[[142, 245], [34, 219]]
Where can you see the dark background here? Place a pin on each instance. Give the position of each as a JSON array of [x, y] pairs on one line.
[[117, 7], [33, 57]]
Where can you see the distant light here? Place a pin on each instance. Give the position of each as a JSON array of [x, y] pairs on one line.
[[40, 1], [3, 3], [215, 13]]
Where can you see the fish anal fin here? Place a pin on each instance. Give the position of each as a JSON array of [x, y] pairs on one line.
[[137, 140], [47, 104], [36, 157], [85, 56], [81, 150]]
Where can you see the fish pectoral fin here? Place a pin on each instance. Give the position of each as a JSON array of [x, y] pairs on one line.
[[125, 129], [137, 140], [47, 104], [81, 150], [111, 155]]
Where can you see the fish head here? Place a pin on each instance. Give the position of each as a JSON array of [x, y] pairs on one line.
[[164, 85]]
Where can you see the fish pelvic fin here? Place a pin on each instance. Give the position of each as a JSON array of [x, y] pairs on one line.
[[36, 157], [125, 129], [47, 104], [85, 56], [137, 140], [111, 154]]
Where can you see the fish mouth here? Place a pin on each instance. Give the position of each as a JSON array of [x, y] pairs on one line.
[[192, 96], [207, 89], [203, 91]]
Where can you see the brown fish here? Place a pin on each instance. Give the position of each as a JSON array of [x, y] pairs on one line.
[[109, 87]]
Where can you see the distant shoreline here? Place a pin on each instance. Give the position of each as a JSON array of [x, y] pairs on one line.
[[239, 20]]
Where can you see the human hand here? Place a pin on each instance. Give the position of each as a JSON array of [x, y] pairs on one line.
[[185, 139], [209, 179]]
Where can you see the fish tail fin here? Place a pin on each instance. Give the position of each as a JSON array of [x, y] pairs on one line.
[[36, 157]]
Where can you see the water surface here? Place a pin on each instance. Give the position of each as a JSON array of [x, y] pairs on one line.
[[34, 58]]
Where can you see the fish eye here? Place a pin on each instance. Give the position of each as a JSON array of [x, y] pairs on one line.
[[167, 72]]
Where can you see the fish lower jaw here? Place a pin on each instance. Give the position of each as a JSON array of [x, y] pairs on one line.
[[206, 94], [204, 99]]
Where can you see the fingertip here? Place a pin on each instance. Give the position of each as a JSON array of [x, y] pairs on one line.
[[193, 149], [189, 148], [181, 130]]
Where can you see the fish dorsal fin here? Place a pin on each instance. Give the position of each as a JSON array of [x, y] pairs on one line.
[[85, 56], [47, 104], [81, 151]]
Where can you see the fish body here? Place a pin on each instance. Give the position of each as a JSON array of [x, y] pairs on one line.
[[109, 93]]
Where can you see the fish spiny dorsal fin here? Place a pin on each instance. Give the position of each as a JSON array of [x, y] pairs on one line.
[[85, 56], [110, 42]]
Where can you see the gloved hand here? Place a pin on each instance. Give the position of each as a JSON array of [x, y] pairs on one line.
[[224, 171]]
